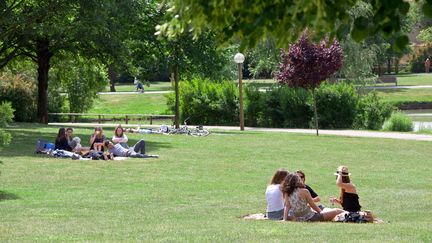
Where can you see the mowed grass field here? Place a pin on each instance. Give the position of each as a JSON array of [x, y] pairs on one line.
[[199, 188], [131, 104]]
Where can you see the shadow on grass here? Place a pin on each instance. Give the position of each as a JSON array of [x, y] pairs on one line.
[[8, 196], [25, 136]]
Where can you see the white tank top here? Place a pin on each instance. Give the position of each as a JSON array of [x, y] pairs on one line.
[[274, 198]]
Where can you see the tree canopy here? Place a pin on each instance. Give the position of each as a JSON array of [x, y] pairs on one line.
[[249, 21]]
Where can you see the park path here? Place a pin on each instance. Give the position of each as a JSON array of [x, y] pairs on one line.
[[346, 133], [134, 92], [264, 90]]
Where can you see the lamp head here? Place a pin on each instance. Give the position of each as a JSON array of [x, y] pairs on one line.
[[239, 58]]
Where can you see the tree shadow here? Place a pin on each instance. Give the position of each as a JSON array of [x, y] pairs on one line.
[[8, 196], [25, 136]]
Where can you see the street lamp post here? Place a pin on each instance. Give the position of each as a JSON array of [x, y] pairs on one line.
[[239, 59]]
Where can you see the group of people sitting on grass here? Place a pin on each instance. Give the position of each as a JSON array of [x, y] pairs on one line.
[[289, 198], [66, 145]]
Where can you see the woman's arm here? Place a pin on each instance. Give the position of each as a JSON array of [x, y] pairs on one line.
[[349, 187], [287, 209], [306, 194], [92, 139], [123, 139]]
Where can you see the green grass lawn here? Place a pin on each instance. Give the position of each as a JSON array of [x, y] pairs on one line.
[[130, 104], [154, 86], [405, 95], [200, 187], [415, 79]]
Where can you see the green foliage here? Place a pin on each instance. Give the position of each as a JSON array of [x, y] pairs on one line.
[[284, 20], [425, 35], [263, 60], [336, 105], [359, 58], [6, 116], [21, 91], [398, 121], [372, 112], [280, 106], [417, 63], [81, 78], [207, 102]]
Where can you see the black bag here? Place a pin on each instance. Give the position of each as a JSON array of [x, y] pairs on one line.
[[354, 217]]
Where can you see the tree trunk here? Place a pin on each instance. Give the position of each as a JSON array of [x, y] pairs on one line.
[[112, 76], [177, 101], [43, 58], [396, 65], [315, 111], [389, 65]]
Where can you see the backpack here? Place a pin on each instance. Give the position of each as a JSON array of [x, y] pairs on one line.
[[164, 129], [43, 146]]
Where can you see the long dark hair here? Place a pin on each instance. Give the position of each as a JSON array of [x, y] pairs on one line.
[[345, 179], [278, 176], [290, 183], [61, 134], [116, 129]]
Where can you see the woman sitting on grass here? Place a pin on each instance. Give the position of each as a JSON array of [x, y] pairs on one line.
[[299, 203], [61, 141], [348, 197], [97, 139], [275, 201], [120, 137]]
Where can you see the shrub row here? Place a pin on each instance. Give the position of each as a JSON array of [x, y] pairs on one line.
[[21, 91], [339, 106], [207, 102]]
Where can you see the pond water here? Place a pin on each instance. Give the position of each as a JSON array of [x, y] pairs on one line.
[[422, 119]]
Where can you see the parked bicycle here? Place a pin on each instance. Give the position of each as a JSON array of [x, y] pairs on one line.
[[198, 131]]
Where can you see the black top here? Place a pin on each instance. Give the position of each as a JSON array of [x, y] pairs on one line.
[[98, 140], [350, 202], [62, 143], [313, 194]]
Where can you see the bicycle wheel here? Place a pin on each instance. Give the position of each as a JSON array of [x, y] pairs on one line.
[[173, 131], [199, 133]]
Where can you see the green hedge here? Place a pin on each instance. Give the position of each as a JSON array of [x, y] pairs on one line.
[[339, 106], [207, 102]]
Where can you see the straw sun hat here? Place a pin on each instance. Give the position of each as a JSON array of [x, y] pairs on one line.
[[343, 171]]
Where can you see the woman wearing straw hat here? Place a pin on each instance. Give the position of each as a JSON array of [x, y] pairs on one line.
[[348, 197]]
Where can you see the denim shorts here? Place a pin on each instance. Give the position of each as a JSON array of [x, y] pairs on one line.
[[275, 215], [316, 217]]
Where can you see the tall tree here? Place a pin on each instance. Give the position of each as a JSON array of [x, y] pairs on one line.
[[306, 65], [40, 29]]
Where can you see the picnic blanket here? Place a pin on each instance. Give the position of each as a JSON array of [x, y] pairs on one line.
[[262, 216]]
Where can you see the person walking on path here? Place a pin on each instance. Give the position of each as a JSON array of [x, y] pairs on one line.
[[427, 65], [139, 85]]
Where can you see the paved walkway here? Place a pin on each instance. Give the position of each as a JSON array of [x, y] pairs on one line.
[[400, 87], [264, 89], [134, 92], [347, 133]]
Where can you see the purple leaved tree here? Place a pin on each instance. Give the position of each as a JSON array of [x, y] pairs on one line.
[[308, 64]]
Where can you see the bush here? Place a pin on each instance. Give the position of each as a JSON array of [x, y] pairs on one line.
[[207, 102], [398, 121], [21, 91], [337, 105], [280, 106], [372, 112], [6, 116]]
